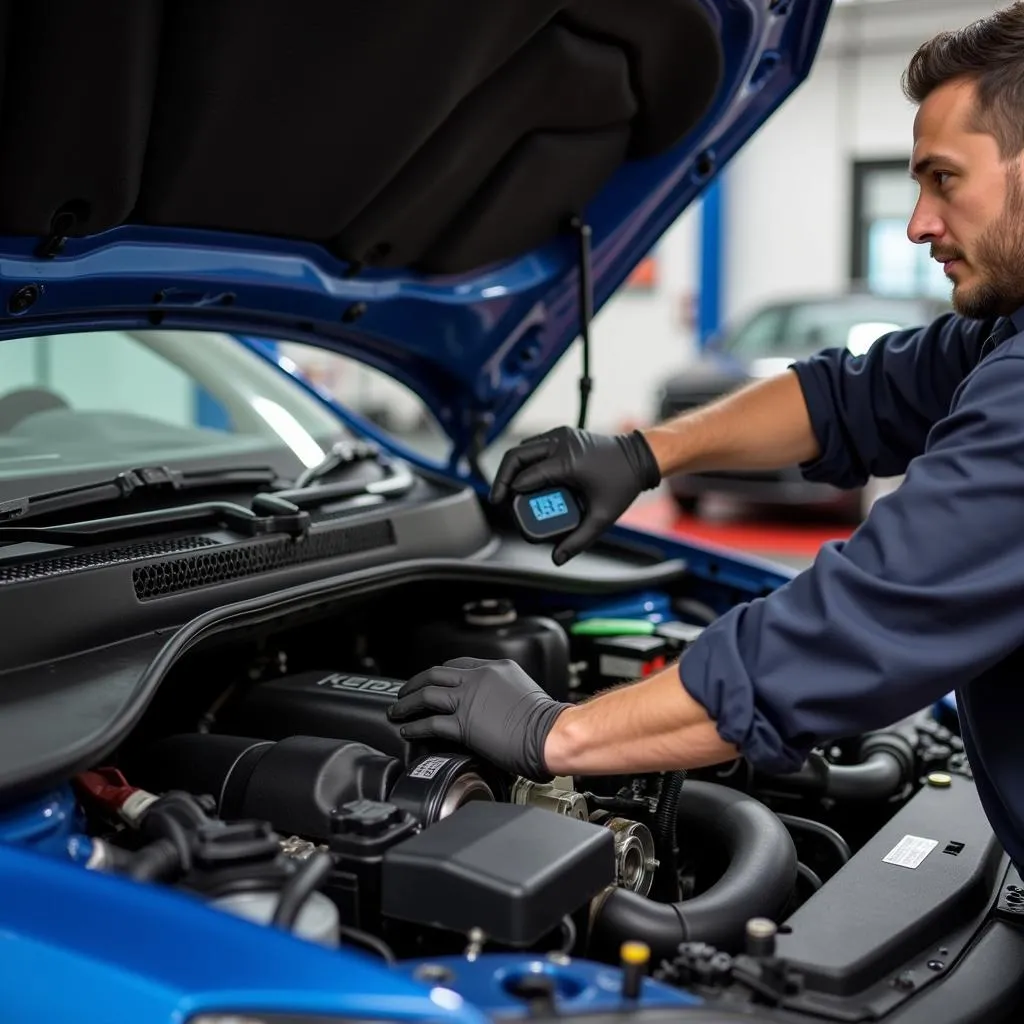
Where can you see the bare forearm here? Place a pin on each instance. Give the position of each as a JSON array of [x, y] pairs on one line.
[[762, 426], [650, 726]]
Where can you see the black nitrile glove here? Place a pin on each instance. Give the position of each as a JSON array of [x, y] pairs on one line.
[[608, 473], [492, 707]]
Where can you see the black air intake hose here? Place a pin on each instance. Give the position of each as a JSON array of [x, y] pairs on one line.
[[296, 783], [299, 783], [757, 882], [886, 765]]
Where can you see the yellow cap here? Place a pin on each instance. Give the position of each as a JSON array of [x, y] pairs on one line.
[[635, 952], [940, 780]]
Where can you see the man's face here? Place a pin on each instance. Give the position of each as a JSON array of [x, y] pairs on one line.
[[971, 206]]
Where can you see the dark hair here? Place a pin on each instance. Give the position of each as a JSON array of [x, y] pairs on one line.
[[990, 52]]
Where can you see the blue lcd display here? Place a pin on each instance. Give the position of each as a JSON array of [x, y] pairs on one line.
[[543, 515], [547, 506]]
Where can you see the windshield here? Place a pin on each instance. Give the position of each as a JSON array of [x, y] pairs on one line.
[[113, 400], [799, 330]]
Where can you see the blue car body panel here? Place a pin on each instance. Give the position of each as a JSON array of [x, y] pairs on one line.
[[579, 987], [89, 947]]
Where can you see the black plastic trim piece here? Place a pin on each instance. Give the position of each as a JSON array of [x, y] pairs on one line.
[[47, 619], [884, 927], [250, 559], [61, 565], [986, 986]]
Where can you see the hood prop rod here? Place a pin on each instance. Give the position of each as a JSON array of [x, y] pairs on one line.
[[586, 305]]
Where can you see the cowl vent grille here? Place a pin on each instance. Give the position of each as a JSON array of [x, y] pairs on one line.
[[61, 565], [209, 567]]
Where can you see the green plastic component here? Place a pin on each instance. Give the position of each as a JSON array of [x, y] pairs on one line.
[[612, 627]]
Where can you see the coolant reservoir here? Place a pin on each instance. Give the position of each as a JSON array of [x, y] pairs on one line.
[[317, 920], [492, 629]]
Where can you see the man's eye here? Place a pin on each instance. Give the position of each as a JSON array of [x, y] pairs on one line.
[[941, 177]]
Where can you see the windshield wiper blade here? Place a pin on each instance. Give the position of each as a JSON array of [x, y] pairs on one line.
[[269, 515], [147, 479]]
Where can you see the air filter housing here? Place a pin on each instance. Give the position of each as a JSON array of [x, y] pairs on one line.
[[513, 871]]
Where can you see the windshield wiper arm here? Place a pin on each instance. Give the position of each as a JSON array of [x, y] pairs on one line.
[[308, 491], [148, 479], [281, 509]]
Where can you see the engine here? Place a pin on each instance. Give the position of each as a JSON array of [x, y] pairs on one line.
[[285, 795], [313, 756]]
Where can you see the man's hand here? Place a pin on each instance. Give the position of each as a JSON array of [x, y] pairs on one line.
[[606, 472], [492, 707]]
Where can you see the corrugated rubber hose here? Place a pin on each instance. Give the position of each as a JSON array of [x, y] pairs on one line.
[[666, 836], [757, 881]]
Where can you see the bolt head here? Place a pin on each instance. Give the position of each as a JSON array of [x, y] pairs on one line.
[[761, 928], [436, 973]]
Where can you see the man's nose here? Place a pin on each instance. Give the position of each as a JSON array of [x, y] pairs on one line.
[[925, 225]]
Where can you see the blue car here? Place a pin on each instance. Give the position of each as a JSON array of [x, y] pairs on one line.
[[763, 345], [214, 578]]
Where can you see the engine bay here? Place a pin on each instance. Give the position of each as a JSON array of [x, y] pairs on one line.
[[266, 780]]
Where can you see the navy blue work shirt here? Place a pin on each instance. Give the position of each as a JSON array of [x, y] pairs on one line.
[[927, 596]]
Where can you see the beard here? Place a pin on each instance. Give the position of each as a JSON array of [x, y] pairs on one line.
[[999, 262]]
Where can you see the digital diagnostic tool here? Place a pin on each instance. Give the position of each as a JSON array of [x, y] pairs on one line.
[[544, 515]]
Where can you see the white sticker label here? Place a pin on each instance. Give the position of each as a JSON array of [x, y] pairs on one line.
[[910, 851], [428, 767]]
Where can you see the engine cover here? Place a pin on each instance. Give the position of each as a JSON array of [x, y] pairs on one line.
[[320, 703]]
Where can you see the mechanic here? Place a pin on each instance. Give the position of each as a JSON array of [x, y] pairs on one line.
[[926, 596]]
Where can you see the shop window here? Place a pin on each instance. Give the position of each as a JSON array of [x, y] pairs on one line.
[[883, 259]]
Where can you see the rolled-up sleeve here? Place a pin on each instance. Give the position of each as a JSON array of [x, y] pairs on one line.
[[924, 597], [871, 413]]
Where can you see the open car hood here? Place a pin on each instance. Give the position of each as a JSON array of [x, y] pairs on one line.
[[397, 181]]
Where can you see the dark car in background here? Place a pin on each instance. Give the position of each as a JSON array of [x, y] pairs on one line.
[[765, 344]]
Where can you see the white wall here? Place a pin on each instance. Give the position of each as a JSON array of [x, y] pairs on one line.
[[786, 202]]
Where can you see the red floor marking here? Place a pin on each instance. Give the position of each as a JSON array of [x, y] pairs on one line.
[[797, 539]]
